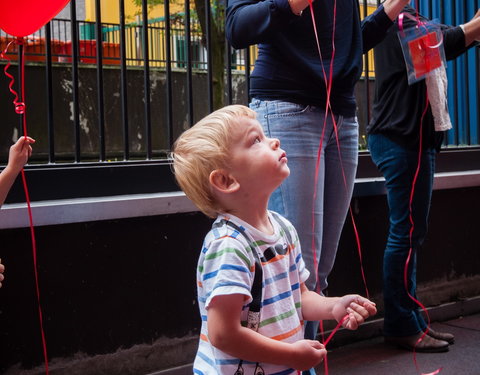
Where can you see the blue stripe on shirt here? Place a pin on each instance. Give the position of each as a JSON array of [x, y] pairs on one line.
[[223, 267], [276, 298], [206, 358], [271, 280]]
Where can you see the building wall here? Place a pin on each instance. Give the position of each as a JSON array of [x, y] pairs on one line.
[[110, 10], [80, 10], [119, 296]]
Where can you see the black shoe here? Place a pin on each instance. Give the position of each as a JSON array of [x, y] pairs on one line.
[[448, 337], [427, 345]]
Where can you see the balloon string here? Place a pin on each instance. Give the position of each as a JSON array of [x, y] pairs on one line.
[[339, 324], [410, 204], [317, 167], [35, 268], [412, 228], [20, 109], [19, 106], [328, 109]]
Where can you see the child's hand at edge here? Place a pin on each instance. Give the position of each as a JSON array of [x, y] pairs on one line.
[[308, 354], [19, 153], [2, 269], [357, 308]]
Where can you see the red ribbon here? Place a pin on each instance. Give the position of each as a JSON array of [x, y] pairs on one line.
[[19, 106], [405, 270], [328, 109], [412, 193], [20, 109]]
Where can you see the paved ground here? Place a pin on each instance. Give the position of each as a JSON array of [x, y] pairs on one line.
[[373, 357], [370, 356]]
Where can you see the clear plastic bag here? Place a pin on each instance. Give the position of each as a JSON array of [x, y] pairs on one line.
[[423, 50]]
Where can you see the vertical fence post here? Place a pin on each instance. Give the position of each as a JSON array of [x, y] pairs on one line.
[[123, 82], [100, 99], [476, 74], [75, 85], [168, 71], [467, 83], [188, 56], [247, 72], [208, 16], [48, 79], [146, 80], [366, 73], [228, 59]]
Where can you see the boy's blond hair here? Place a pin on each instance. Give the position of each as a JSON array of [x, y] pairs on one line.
[[202, 149]]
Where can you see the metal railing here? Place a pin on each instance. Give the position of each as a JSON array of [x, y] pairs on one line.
[[148, 47], [61, 44]]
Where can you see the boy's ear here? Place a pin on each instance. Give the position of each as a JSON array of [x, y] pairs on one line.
[[223, 181]]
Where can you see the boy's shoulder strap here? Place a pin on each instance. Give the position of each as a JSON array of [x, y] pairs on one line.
[[283, 226], [253, 319]]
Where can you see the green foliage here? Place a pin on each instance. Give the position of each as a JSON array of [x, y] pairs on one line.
[[151, 3], [363, 143]]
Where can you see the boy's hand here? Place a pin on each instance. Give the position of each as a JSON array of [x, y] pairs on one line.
[[308, 354], [19, 153], [357, 308]]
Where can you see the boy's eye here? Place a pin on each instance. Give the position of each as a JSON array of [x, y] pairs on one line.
[[257, 140]]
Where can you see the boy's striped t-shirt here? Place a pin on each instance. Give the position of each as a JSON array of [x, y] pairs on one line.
[[227, 266]]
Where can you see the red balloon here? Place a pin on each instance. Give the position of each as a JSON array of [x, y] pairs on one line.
[[24, 17]]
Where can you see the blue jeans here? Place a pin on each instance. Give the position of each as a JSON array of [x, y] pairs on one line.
[[398, 166], [299, 129]]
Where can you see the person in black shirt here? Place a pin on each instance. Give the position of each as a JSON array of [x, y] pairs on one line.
[[400, 112]]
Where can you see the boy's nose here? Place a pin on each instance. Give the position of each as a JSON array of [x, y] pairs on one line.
[[275, 143]]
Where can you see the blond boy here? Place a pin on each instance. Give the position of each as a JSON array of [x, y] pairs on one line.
[[229, 168]]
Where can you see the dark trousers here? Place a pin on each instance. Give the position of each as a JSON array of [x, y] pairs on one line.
[[398, 165]]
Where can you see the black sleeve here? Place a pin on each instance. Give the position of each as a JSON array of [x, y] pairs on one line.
[[374, 28], [454, 41], [251, 22]]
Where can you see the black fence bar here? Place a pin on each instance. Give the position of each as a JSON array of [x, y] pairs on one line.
[[146, 80], [188, 56], [100, 101], [455, 84], [20, 83], [247, 72], [75, 85], [228, 59], [168, 70], [477, 69], [366, 70], [123, 82], [208, 18], [49, 98], [467, 82]]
